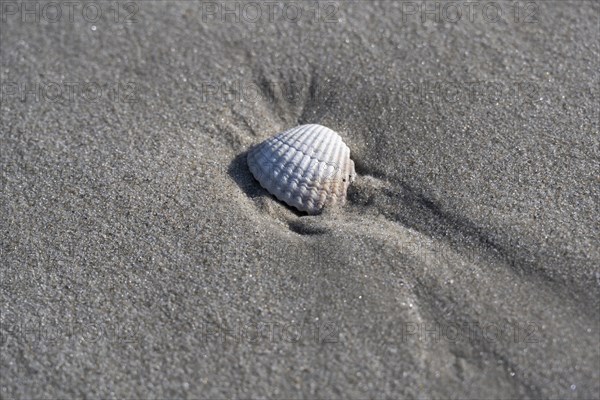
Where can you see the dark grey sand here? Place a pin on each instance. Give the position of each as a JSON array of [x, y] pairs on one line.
[[140, 259]]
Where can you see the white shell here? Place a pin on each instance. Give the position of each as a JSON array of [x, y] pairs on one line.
[[307, 167]]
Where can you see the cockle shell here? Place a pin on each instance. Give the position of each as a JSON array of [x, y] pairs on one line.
[[307, 167]]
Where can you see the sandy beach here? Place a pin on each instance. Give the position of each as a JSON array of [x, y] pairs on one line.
[[140, 258]]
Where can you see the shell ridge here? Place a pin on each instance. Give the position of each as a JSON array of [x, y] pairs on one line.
[[312, 157], [335, 183]]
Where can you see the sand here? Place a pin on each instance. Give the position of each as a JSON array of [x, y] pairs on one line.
[[140, 259]]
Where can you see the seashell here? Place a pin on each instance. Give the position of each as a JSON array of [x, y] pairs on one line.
[[307, 167]]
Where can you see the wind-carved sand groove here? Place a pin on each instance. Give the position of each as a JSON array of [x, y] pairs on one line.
[[498, 267], [403, 206], [400, 203]]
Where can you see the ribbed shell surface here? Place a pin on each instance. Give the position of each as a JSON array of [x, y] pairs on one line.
[[307, 167]]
